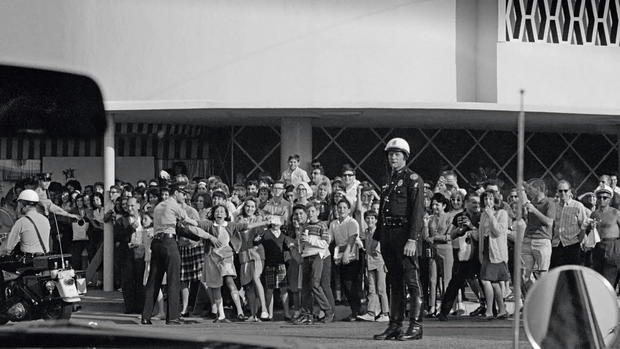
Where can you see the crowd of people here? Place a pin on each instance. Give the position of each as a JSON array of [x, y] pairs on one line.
[[305, 242]]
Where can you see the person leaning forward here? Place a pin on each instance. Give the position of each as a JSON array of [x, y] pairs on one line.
[[165, 257], [399, 230]]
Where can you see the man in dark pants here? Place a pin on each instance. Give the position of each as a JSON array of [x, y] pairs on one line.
[[399, 229], [165, 256], [464, 223], [132, 263]]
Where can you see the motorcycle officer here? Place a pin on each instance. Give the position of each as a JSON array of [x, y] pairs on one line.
[[399, 230], [31, 231]]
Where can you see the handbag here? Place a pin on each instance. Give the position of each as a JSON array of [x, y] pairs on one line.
[[590, 240], [465, 249]]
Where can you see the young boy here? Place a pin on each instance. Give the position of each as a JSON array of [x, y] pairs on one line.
[[315, 240], [377, 295], [294, 175], [275, 243]]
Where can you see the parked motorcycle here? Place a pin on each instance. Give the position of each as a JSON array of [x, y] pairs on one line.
[[41, 288]]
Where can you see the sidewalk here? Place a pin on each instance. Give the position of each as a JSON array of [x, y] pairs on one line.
[[103, 301]]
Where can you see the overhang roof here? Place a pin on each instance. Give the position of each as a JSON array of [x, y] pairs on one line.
[[418, 115]]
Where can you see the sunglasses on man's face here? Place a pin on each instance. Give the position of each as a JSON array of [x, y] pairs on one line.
[[563, 190]]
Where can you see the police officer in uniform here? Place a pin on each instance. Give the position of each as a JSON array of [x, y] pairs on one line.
[[165, 257], [399, 230], [31, 231]]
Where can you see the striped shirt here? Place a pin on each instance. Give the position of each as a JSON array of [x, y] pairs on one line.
[[567, 225]]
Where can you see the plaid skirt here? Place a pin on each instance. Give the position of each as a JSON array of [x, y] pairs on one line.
[[275, 276], [192, 258]]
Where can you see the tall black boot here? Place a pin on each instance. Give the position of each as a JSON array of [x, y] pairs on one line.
[[393, 331], [414, 331]]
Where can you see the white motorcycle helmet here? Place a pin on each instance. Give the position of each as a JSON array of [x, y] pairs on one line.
[[398, 144], [28, 195]]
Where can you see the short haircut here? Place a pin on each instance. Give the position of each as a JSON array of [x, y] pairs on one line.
[[298, 207], [564, 181], [347, 168], [252, 182], [440, 198], [294, 157], [470, 195], [280, 182], [370, 213], [218, 193], [345, 201], [497, 199], [538, 184], [314, 204], [212, 212]]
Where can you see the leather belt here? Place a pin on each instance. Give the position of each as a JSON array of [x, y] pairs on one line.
[[162, 236], [32, 255], [440, 242], [609, 239], [395, 221]]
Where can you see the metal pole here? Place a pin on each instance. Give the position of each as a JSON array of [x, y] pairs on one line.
[[108, 181], [518, 237]]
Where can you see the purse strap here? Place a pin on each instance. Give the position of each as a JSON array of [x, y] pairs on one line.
[[38, 234]]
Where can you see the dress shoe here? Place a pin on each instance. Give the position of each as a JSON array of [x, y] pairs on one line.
[[175, 322], [414, 331], [221, 321], [329, 317], [442, 317], [479, 311], [392, 332], [146, 322]]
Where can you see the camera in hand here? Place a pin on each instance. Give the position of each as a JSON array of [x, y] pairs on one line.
[[80, 222]]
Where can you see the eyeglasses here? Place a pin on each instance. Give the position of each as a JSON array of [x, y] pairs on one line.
[[514, 196], [348, 175], [603, 197], [563, 190]]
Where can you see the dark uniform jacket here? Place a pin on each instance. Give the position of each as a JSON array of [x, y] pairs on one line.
[[402, 206]]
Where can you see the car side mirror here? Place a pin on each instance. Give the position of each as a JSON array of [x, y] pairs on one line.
[[44, 103], [571, 307]]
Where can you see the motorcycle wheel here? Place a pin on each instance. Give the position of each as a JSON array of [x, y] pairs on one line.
[[58, 311]]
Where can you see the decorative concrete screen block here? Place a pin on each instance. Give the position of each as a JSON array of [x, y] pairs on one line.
[[575, 22]]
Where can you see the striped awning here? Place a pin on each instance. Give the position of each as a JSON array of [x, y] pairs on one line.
[[162, 141]]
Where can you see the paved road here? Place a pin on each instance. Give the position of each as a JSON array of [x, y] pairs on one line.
[[105, 309]]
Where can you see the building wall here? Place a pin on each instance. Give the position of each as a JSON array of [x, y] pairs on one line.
[[558, 74], [268, 53]]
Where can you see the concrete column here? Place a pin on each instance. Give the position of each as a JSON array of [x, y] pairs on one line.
[[108, 180], [296, 137], [618, 147]]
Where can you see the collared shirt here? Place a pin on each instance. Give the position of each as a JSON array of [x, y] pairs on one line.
[[342, 232], [282, 209], [568, 223], [166, 214], [24, 232], [295, 177]]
